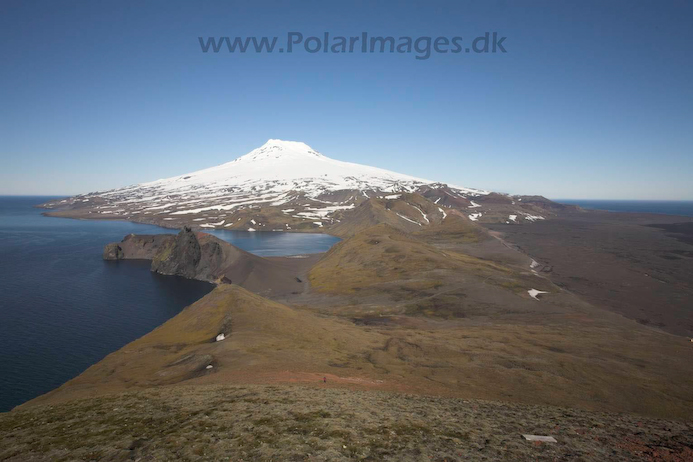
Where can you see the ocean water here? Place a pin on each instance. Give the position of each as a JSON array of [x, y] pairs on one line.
[[683, 208], [62, 308]]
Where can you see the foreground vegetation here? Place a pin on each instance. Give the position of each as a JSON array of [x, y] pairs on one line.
[[288, 422]]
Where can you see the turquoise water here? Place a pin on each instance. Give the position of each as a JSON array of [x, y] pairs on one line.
[[683, 208], [62, 308]]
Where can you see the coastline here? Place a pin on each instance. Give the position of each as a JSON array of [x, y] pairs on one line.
[[22, 216], [677, 208]]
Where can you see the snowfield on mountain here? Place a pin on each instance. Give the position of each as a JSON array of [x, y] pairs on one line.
[[280, 186]]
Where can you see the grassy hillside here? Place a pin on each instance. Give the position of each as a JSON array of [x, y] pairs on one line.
[[553, 352], [382, 254], [262, 338]]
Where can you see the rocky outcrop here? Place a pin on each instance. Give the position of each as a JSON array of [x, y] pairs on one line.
[[137, 247], [113, 251], [180, 256], [204, 257]]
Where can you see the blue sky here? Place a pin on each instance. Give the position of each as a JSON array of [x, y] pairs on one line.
[[591, 100]]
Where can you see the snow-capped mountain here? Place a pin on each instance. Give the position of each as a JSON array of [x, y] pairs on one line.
[[276, 172], [287, 180]]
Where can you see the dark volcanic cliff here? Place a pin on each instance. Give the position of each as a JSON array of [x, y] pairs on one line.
[[204, 257], [136, 247], [181, 256]]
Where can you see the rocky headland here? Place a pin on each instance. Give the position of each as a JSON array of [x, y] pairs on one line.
[[204, 257]]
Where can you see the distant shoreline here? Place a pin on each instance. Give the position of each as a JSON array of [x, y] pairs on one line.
[[675, 208]]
